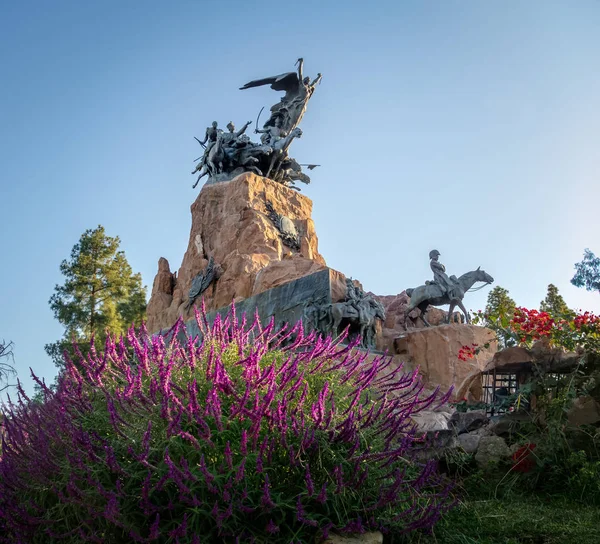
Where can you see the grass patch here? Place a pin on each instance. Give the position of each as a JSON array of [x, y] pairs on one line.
[[500, 515]]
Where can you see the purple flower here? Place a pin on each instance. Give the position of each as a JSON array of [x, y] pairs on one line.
[[272, 528]]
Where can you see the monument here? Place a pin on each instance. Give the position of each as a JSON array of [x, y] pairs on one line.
[[253, 242], [229, 154]]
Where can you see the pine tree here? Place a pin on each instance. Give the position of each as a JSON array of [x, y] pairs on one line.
[[554, 304], [100, 295], [499, 304]]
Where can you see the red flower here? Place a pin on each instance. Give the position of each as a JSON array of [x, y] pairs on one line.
[[522, 459]]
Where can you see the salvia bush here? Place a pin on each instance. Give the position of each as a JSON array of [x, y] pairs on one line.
[[247, 435]]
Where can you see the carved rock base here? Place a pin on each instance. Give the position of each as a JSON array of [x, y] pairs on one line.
[[435, 351]]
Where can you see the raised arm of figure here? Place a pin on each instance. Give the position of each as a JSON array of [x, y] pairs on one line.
[[317, 80], [243, 129]]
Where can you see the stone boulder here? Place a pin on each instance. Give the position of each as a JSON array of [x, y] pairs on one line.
[[465, 422], [428, 420], [585, 411], [230, 223], [469, 442], [491, 450], [396, 322], [435, 351]]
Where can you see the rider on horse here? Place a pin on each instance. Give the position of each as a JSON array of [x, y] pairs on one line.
[[447, 284], [355, 298]]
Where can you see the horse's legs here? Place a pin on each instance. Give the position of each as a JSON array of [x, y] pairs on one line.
[[335, 329], [423, 307], [451, 311], [202, 174], [464, 311]]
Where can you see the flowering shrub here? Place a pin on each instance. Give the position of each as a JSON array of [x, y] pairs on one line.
[[250, 435], [567, 457], [531, 325], [524, 327]]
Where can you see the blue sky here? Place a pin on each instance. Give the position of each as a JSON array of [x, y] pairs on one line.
[[471, 127]]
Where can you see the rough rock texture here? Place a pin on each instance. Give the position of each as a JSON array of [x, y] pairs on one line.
[[162, 289], [465, 422], [367, 538], [491, 450], [396, 322], [469, 442], [435, 350], [428, 420], [230, 223], [585, 411]]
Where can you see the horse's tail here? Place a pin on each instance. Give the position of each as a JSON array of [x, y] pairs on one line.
[[409, 292]]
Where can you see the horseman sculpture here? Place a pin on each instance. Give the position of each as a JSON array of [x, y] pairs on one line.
[[359, 312], [444, 290]]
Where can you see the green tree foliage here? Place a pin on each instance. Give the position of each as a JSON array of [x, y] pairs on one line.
[[587, 272], [554, 304], [499, 310], [499, 303], [100, 295]]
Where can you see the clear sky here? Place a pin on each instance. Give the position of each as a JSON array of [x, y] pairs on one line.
[[467, 126]]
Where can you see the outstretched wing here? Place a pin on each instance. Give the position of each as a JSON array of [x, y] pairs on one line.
[[287, 82]]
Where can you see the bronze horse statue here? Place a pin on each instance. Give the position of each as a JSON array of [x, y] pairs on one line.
[[327, 319], [433, 294]]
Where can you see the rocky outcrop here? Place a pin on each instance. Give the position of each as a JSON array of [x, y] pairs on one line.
[[396, 321], [231, 223], [435, 350]]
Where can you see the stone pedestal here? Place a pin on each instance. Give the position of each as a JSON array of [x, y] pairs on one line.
[[230, 223], [435, 351]]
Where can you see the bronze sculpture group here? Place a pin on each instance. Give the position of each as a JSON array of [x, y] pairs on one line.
[[228, 154]]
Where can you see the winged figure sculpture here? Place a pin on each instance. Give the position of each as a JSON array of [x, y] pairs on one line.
[[298, 90]]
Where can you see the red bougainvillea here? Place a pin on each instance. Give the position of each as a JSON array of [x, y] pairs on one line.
[[467, 352], [532, 324]]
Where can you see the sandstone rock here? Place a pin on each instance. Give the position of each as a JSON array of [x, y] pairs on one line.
[[367, 538], [230, 223], [585, 411], [469, 442], [162, 292], [396, 322], [492, 449], [464, 422], [435, 351], [164, 280]]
